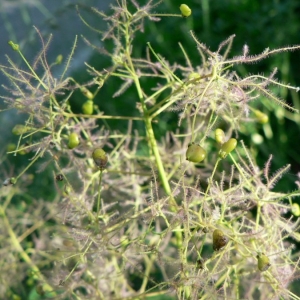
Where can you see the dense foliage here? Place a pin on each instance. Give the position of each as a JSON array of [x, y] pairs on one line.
[[154, 191]]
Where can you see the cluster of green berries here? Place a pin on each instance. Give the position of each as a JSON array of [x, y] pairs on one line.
[[195, 153]]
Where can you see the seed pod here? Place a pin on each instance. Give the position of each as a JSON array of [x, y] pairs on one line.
[[227, 147], [23, 150], [220, 136], [261, 117], [195, 153], [19, 129], [9, 181], [88, 107], [296, 209], [73, 140], [67, 190], [100, 158], [44, 290], [87, 93], [14, 46], [219, 239], [29, 282], [11, 147], [68, 243], [88, 277], [200, 263], [52, 144], [59, 177], [59, 59], [13, 180], [263, 262], [194, 75], [40, 290], [185, 10], [19, 104], [205, 230]]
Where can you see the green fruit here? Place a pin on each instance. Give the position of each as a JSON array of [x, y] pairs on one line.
[[23, 150], [194, 75], [44, 289], [88, 107], [40, 290], [220, 136], [87, 93], [219, 239], [67, 190], [9, 181], [73, 140], [19, 129], [263, 262], [185, 10], [195, 153], [14, 46], [88, 277], [68, 243], [296, 209], [19, 104], [59, 59], [261, 117], [13, 180], [100, 158], [11, 147], [227, 147]]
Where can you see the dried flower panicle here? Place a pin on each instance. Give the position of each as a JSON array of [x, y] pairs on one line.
[[92, 234]]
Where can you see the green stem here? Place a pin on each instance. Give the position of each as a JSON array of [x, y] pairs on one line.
[[159, 163], [149, 266], [16, 48], [150, 133], [258, 215], [29, 165], [209, 184], [244, 177], [16, 244], [165, 103], [259, 202], [71, 115], [200, 100], [99, 193]]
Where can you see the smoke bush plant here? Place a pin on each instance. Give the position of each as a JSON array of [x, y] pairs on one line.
[[126, 224]]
